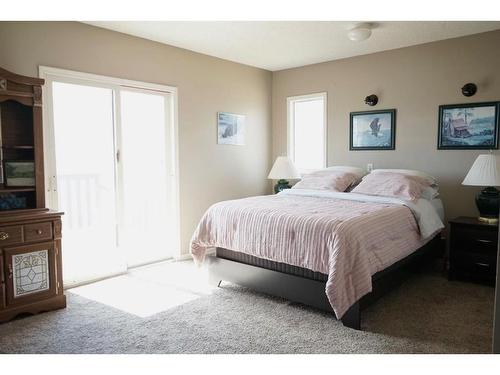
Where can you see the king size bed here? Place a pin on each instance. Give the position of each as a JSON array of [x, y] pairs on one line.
[[336, 251]]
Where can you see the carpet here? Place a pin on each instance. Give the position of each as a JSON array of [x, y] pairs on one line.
[[427, 314]]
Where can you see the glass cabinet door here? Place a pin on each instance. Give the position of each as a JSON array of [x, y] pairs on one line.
[[30, 272]]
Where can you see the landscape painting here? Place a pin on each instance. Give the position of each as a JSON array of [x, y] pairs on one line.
[[19, 173], [468, 126], [230, 129], [373, 130]]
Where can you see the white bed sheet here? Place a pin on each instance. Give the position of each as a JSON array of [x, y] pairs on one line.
[[438, 206]]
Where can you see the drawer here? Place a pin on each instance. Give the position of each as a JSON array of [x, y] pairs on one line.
[[477, 263], [474, 232], [475, 241], [11, 235], [37, 232]]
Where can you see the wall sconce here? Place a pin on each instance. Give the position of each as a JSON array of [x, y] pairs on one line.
[[371, 100], [469, 89]]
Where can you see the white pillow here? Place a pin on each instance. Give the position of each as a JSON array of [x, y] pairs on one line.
[[409, 172], [355, 170]]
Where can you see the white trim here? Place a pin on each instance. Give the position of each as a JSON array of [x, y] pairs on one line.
[[290, 122], [45, 71], [62, 75], [76, 284]]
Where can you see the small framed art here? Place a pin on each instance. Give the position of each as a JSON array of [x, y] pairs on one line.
[[373, 130], [468, 126], [230, 129]]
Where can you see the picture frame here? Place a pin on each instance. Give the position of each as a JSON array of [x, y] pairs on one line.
[[372, 130], [470, 126], [230, 129], [19, 173]]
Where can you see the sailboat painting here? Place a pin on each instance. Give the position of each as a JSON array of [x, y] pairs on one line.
[[468, 126], [373, 130]]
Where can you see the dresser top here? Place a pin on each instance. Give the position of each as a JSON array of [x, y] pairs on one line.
[[27, 214]]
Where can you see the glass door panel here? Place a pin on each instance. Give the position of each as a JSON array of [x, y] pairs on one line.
[[31, 272], [146, 222], [85, 163]]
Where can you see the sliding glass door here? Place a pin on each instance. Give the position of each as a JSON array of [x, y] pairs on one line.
[[145, 230], [111, 162], [85, 178]]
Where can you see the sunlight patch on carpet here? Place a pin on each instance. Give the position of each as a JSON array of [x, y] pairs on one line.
[[149, 290]]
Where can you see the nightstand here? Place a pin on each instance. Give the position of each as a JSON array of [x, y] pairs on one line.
[[472, 249]]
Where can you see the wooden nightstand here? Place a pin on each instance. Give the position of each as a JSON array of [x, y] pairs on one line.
[[472, 249]]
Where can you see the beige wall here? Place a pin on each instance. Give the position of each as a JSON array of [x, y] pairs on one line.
[[208, 172], [415, 81]]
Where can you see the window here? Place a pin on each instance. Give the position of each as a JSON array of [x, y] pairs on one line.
[[307, 131]]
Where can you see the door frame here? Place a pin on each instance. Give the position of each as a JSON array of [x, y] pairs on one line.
[[51, 74]]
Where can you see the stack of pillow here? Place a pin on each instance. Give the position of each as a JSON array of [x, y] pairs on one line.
[[398, 183]]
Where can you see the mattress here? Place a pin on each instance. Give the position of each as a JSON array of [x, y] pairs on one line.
[[251, 260], [236, 256]]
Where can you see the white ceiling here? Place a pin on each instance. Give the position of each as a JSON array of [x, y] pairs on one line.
[[285, 44]]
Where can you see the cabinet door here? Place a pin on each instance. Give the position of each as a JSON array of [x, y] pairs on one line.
[[30, 273]]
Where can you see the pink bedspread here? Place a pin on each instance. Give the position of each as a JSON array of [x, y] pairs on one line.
[[347, 240]]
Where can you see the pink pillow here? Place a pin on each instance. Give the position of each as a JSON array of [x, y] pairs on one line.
[[392, 185], [327, 180]]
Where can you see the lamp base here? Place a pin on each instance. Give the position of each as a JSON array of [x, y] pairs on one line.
[[488, 220], [281, 185], [488, 204]]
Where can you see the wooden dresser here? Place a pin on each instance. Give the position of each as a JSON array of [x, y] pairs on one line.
[[30, 262], [30, 234]]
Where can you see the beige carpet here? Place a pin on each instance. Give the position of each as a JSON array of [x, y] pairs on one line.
[[427, 314]]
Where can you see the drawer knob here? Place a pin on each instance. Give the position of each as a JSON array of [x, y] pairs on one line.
[[483, 241], [38, 231], [482, 264], [3, 236]]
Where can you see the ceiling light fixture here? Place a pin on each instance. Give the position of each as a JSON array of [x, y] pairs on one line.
[[360, 32]]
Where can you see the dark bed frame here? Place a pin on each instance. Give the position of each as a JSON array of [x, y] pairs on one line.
[[312, 292]]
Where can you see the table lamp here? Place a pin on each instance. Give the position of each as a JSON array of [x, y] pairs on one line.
[[484, 172], [282, 170]]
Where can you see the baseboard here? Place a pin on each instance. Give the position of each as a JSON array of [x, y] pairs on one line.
[[189, 256]]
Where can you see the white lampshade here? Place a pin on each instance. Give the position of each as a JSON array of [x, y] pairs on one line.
[[484, 172], [283, 169]]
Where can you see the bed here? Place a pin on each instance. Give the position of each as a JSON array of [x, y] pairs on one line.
[[334, 251]]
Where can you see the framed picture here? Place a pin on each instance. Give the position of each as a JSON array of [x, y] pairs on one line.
[[19, 173], [230, 129], [373, 130], [468, 126]]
